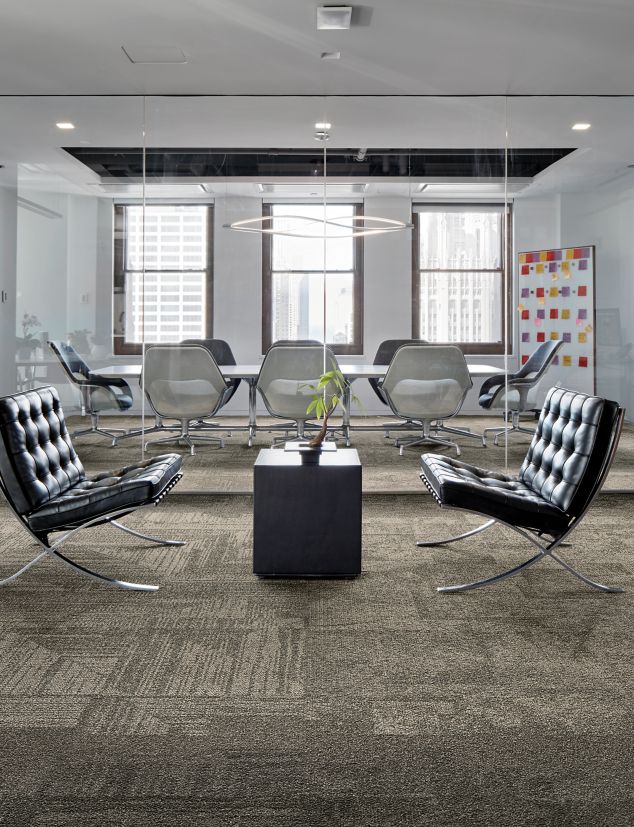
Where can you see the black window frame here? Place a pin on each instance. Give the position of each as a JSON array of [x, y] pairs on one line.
[[506, 289], [356, 346], [119, 346]]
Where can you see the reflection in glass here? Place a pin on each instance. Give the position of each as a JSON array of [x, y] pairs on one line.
[[298, 307]]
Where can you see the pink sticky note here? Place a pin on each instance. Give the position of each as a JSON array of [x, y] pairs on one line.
[[538, 322]]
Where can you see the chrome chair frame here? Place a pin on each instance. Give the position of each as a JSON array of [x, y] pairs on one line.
[[51, 549], [546, 550]]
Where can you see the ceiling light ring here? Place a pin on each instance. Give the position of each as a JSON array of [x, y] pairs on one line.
[[355, 226]]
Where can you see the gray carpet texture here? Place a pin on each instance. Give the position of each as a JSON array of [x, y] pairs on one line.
[[231, 469], [228, 701]]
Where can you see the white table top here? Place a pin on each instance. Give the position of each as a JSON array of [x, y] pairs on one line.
[[349, 370]]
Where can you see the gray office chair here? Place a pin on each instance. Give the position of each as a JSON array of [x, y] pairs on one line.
[[383, 356], [518, 392], [426, 384], [184, 382], [286, 372], [222, 353], [98, 393]]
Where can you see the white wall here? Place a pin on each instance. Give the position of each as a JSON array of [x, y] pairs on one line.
[[8, 241]]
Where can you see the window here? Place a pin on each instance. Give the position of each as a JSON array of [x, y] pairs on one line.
[[163, 281], [459, 278], [293, 281]]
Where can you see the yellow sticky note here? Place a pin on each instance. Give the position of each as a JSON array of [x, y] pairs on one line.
[[520, 307], [582, 338], [554, 335], [567, 361], [541, 301], [565, 313], [539, 268], [588, 328], [543, 256], [522, 258], [553, 292], [570, 253], [565, 265]]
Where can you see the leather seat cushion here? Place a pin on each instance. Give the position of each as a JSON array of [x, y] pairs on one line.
[[459, 485], [132, 486]]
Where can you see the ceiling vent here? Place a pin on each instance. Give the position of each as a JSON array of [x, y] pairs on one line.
[[334, 17], [312, 189]]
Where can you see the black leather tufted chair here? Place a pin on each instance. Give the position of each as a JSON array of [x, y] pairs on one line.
[[46, 487], [98, 393], [570, 456]]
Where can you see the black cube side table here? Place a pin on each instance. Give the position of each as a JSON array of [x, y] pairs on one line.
[[307, 518]]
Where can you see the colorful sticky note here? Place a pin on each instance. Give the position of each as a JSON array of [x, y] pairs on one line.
[[566, 361], [553, 292], [525, 292], [524, 359], [565, 266], [556, 360], [554, 313], [552, 267], [522, 258], [538, 321], [554, 335], [550, 255], [582, 290], [582, 337], [557, 255], [582, 313], [567, 337], [579, 321], [588, 328], [526, 337], [554, 276], [583, 264], [539, 292], [565, 291], [525, 270], [565, 313], [541, 314], [583, 361], [539, 268], [520, 307], [541, 302], [570, 253], [543, 255], [578, 252], [541, 336]]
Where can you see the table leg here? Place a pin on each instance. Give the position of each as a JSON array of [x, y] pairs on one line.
[[252, 406], [346, 403]]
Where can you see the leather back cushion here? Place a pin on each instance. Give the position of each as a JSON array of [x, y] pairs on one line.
[[37, 459], [560, 452]]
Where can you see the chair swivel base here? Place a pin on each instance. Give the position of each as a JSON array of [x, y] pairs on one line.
[[514, 427], [425, 438], [186, 437]]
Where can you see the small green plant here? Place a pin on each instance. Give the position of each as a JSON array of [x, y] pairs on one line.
[[328, 394]]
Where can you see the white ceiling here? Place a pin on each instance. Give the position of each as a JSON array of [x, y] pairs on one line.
[[273, 47]]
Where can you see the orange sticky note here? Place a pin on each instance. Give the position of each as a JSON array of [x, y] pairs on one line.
[[539, 268], [543, 256], [565, 266], [553, 292], [554, 335], [565, 313], [567, 361], [570, 253], [582, 338]]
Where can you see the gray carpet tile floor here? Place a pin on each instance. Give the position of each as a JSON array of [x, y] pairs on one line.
[[228, 700], [231, 469]]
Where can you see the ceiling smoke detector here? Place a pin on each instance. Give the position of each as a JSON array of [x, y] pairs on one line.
[[334, 17]]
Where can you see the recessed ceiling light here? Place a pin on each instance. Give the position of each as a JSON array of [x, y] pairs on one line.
[[323, 125], [330, 56], [581, 127], [65, 125], [334, 17]]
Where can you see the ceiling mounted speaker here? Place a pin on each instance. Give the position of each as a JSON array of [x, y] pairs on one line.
[[334, 17]]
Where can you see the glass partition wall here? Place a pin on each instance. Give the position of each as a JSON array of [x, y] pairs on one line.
[[116, 238]]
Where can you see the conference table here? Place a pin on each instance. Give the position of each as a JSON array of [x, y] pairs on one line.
[[249, 374]]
